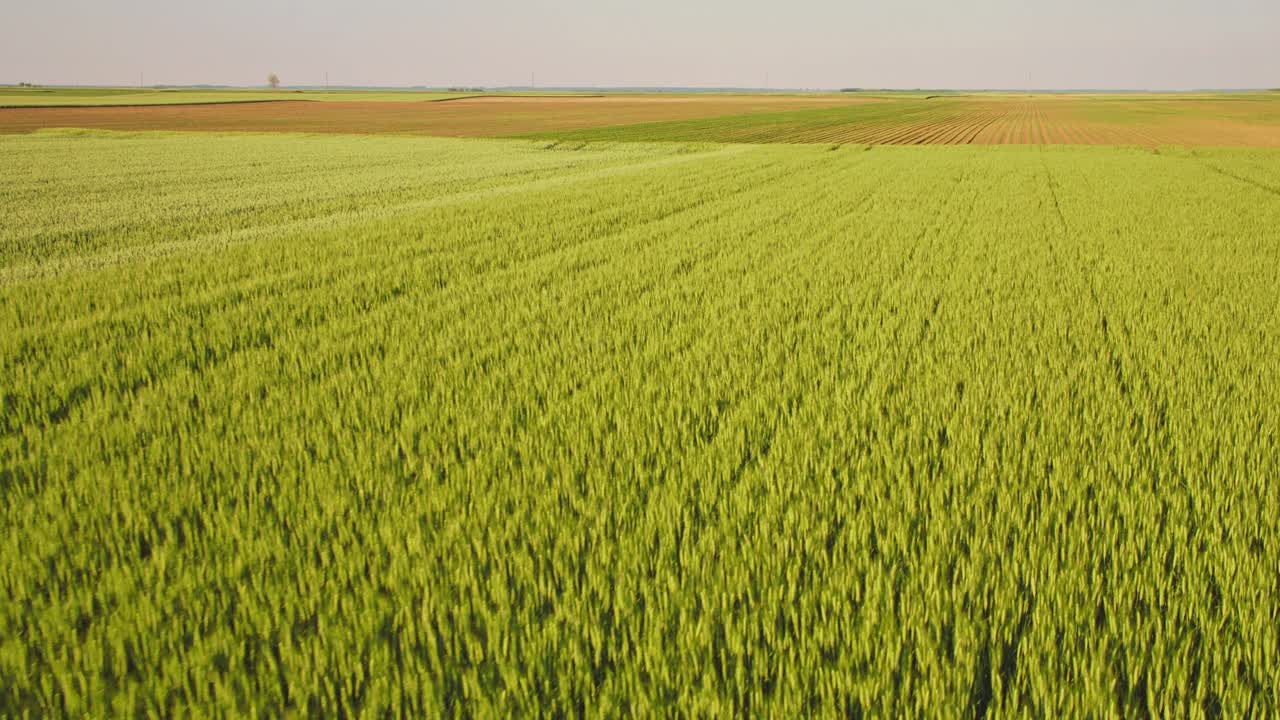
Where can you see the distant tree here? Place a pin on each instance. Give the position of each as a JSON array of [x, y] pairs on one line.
[[273, 80]]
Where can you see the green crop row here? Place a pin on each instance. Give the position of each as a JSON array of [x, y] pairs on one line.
[[432, 427], [812, 125]]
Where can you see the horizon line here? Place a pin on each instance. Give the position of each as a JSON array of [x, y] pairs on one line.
[[635, 87]]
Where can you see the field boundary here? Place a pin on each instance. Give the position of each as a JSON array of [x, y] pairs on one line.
[[77, 106], [252, 101]]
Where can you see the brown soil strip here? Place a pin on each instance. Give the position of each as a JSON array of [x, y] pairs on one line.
[[151, 105], [465, 117]]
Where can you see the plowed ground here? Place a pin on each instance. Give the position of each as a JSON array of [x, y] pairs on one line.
[[1243, 120]]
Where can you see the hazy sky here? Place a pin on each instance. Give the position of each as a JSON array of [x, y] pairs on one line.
[[1159, 44]]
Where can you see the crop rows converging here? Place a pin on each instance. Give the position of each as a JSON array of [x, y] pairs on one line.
[[431, 427], [990, 120]]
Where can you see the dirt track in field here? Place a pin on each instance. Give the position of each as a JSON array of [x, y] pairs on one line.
[[465, 117]]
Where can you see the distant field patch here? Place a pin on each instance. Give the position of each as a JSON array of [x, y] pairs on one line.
[[1224, 119], [97, 97], [470, 117], [991, 120], [1244, 120]]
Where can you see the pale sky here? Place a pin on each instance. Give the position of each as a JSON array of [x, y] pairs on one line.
[[1105, 44]]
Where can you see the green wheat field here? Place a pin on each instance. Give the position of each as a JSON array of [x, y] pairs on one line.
[[402, 426]]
